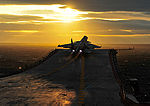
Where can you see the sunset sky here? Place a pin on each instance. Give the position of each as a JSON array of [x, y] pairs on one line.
[[56, 21]]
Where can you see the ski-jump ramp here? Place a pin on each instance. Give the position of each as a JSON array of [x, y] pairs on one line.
[[63, 79]]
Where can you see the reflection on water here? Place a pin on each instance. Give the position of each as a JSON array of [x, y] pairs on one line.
[[134, 64], [14, 56]]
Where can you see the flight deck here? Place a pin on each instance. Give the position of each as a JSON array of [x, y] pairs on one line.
[[63, 79]]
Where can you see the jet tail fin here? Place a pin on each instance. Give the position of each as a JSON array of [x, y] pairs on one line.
[[72, 45], [71, 41]]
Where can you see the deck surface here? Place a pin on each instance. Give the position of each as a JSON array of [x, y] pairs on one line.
[[64, 80]]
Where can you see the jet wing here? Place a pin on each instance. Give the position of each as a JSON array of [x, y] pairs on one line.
[[69, 45], [93, 46], [65, 46]]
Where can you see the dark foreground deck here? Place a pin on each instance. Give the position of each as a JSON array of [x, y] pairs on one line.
[[64, 80]]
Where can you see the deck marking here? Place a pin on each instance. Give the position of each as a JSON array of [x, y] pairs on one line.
[[82, 82]]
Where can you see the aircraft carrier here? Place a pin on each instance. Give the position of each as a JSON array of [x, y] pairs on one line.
[[62, 79], [80, 75]]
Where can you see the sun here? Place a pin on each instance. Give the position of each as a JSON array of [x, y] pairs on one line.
[[68, 14]]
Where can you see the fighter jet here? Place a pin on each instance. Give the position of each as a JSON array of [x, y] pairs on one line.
[[80, 46]]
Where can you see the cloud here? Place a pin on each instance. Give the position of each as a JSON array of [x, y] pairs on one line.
[[139, 39], [6, 26], [92, 5], [90, 26], [58, 12], [61, 13], [126, 27], [14, 18], [118, 15], [31, 1], [111, 5], [24, 19], [50, 22]]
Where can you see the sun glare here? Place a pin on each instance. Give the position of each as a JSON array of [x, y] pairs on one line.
[[68, 14], [56, 12]]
